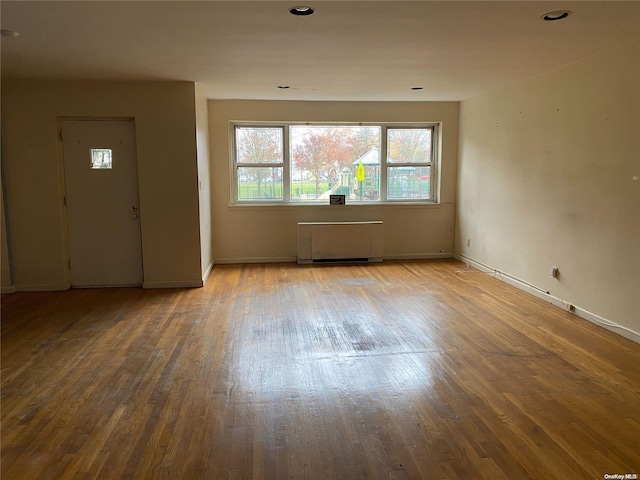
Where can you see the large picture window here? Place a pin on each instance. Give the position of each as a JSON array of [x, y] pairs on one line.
[[306, 163]]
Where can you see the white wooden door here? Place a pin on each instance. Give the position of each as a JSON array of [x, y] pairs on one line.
[[103, 215]]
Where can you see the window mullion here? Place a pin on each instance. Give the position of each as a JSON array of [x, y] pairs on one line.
[[409, 164], [260, 165], [384, 149], [433, 164], [286, 167]]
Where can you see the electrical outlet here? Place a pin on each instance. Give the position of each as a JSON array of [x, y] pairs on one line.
[[553, 272]]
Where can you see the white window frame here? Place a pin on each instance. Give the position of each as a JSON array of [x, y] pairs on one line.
[[430, 163], [433, 163], [236, 165]]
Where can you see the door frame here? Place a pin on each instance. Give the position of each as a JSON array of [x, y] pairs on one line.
[[66, 246]]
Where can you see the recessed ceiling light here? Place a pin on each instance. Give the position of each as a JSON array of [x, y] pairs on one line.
[[417, 88], [557, 15], [301, 10], [283, 87], [9, 33]]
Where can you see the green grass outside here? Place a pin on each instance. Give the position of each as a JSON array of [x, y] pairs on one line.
[[267, 191]]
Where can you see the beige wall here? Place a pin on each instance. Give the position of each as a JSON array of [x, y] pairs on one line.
[[165, 126], [546, 177], [244, 233], [6, 285], [204, 180]]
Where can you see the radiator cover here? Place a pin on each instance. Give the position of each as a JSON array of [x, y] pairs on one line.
[[322, 242]]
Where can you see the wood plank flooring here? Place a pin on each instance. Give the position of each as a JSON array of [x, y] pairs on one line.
[[400, 370]]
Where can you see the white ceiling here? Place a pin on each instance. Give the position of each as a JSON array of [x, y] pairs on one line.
[[347, 50]]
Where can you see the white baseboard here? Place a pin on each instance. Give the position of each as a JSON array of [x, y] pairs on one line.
[[417, 256], [54, 287], [176, 284], [207, 273], [400, 256], [558, 302], [606, 324], [66, 286], [232, 260]]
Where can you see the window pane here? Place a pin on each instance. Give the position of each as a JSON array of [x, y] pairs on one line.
[[258, 145], [325, 160], [409, 145], [101, 158], [259, 183], [408, 182]]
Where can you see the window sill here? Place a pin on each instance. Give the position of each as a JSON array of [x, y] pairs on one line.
[[396, 204]]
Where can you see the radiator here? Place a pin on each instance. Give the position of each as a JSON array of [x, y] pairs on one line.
[[323, 242]]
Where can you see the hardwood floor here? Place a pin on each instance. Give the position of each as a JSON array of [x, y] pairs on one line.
[[400, 370]]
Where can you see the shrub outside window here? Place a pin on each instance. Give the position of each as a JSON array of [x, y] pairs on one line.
[[306, 163]]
